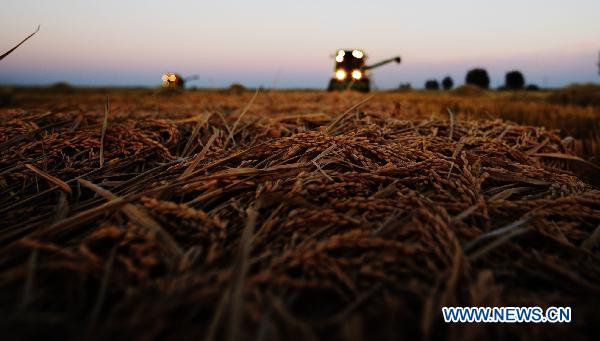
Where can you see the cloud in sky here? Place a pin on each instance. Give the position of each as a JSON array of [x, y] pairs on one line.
[[291, 43]]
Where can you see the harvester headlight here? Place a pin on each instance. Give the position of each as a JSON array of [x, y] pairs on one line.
[[165, 78], [339, 58], [357, 54], [172, 78], [356, 74], [340, 75], [341, 53]]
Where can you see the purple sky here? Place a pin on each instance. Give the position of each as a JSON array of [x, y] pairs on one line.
[[291, 43]]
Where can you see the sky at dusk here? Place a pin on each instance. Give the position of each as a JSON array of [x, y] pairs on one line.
[[291, 44]]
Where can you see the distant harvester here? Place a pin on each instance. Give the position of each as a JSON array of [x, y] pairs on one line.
[[351, 71], [175, 80]]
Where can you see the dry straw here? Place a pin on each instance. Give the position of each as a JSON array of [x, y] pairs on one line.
[[289, 221]]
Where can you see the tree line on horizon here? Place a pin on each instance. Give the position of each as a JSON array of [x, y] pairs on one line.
[[513, 80]]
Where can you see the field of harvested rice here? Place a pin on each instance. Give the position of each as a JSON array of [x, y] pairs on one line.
[[266, 215]]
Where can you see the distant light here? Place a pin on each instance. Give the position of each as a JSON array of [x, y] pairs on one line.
[[340, 74], [356, 74], [339, 58], [357, 54]]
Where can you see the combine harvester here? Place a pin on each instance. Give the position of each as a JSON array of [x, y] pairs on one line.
[[174, 80], [350, 71]]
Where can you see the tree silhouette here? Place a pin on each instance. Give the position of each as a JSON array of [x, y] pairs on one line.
[[432, 84], [478, 77], [514, 80], [404, 86], [447, 83]]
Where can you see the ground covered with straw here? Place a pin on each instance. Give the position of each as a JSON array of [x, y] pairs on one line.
[[286, 216]]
